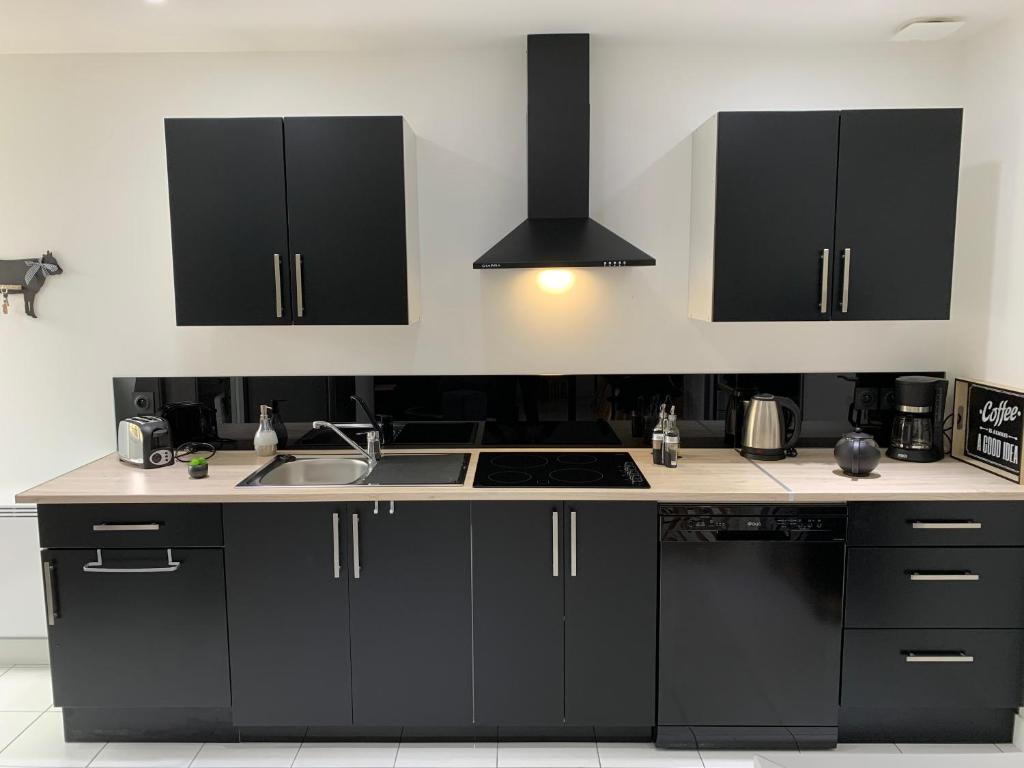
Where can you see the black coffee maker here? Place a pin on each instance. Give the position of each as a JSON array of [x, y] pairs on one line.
[[917, 428]]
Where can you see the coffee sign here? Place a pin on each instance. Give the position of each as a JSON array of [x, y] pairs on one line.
[[988, 427]]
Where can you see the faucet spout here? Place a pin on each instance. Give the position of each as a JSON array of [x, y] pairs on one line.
[[370, 456]]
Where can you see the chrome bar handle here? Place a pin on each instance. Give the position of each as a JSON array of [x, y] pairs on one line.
[[337, 546], [391, 507], [938, 658], [572, 542], [111, 527], [944, 576], [951, 525], [277, 285], [97, 566], [844, 303], [823, 300], [300, 306], [356, 568], [51, 603], [554, 542]]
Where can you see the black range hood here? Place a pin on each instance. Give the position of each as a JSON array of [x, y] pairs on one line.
[[559, 231]]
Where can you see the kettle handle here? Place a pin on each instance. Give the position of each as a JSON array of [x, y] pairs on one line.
[[788, 405]]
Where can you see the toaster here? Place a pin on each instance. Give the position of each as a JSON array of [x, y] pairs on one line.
[[144, 441]]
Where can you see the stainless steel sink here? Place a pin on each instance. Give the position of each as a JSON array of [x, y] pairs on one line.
[[401, 469]]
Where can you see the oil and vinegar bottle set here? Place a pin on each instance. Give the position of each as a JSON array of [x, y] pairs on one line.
[[665, 438]]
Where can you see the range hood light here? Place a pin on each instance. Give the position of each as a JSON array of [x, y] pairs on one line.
[[556, 281]]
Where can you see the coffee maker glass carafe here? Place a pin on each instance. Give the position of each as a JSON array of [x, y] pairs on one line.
[[912, 431]]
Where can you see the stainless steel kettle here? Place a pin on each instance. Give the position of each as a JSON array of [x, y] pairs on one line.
[[766, 434]]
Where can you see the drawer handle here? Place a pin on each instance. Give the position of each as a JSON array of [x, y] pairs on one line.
[[941, 657], [97, 566], [112, 527], [943, 576], [945, 525]]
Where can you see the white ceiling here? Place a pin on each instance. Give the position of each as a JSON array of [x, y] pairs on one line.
[[53, 26]]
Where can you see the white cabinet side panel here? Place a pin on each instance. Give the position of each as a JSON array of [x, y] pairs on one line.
[[412, 224], [702, 220]]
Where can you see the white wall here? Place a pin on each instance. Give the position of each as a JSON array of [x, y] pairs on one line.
[[82, 172], [988, 309]]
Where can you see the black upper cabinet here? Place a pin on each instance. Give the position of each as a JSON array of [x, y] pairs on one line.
[[611, 603], [229, 227], [287, 602], [139, 628], [347, 219], [824, 215], [411, 614], [517, 613], [896, 214], [306, 220], [775, 204]]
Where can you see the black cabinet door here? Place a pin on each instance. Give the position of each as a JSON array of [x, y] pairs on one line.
[[611, 598], [411, 614], [346, 219], [130, 638], [774, 214], [229, 229], [896, 214], [518, 613], [287, 592]]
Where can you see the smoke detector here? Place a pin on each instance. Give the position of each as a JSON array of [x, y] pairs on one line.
[[926, 30]]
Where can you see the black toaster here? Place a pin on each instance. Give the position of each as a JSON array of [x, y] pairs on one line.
[[144, 441]]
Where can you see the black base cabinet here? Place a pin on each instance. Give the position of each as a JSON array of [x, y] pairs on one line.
[[565, 605], [411, 614], [287, 600], [135, 605], [933, 644]]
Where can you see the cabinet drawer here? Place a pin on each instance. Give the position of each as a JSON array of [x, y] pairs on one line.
[[951, 587], [936, 523], [932, 668], [70, 526]]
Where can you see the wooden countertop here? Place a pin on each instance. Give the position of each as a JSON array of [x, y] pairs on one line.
[[703, 475]]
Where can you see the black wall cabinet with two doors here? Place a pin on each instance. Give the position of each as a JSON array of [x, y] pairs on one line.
[[841, 215], [300, 220]]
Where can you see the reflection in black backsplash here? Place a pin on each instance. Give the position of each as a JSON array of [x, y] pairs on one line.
[[462, 411]]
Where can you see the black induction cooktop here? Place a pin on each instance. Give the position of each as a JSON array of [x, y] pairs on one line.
[[557, 469]]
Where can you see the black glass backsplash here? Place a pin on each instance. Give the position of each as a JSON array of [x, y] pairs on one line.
[[507, 411]]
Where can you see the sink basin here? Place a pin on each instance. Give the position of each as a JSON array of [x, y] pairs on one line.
[[400, 469], [310, 470]]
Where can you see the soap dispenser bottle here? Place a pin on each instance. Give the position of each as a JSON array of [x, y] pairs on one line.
[[265, 441]]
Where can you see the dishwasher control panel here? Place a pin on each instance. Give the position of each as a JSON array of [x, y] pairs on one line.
[[732, 523]]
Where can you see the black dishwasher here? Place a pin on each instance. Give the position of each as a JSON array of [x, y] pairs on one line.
[[750, 626]]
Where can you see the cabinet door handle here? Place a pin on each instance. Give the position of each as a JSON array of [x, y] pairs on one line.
[[937, 657], [277, 285], [337, 546], [823, 300], [572, 542], [356, 568], [945, 525], [554, 542], [97, 566], [111, 527], [51, 595], [300, 305], [944, 576], [844, 303]]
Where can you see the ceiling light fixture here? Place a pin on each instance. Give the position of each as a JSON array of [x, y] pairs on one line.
[[926, 30]]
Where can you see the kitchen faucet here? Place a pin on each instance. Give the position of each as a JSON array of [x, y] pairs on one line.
[[372, 452]]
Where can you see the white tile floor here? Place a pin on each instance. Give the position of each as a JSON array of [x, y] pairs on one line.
[[31, 736]]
